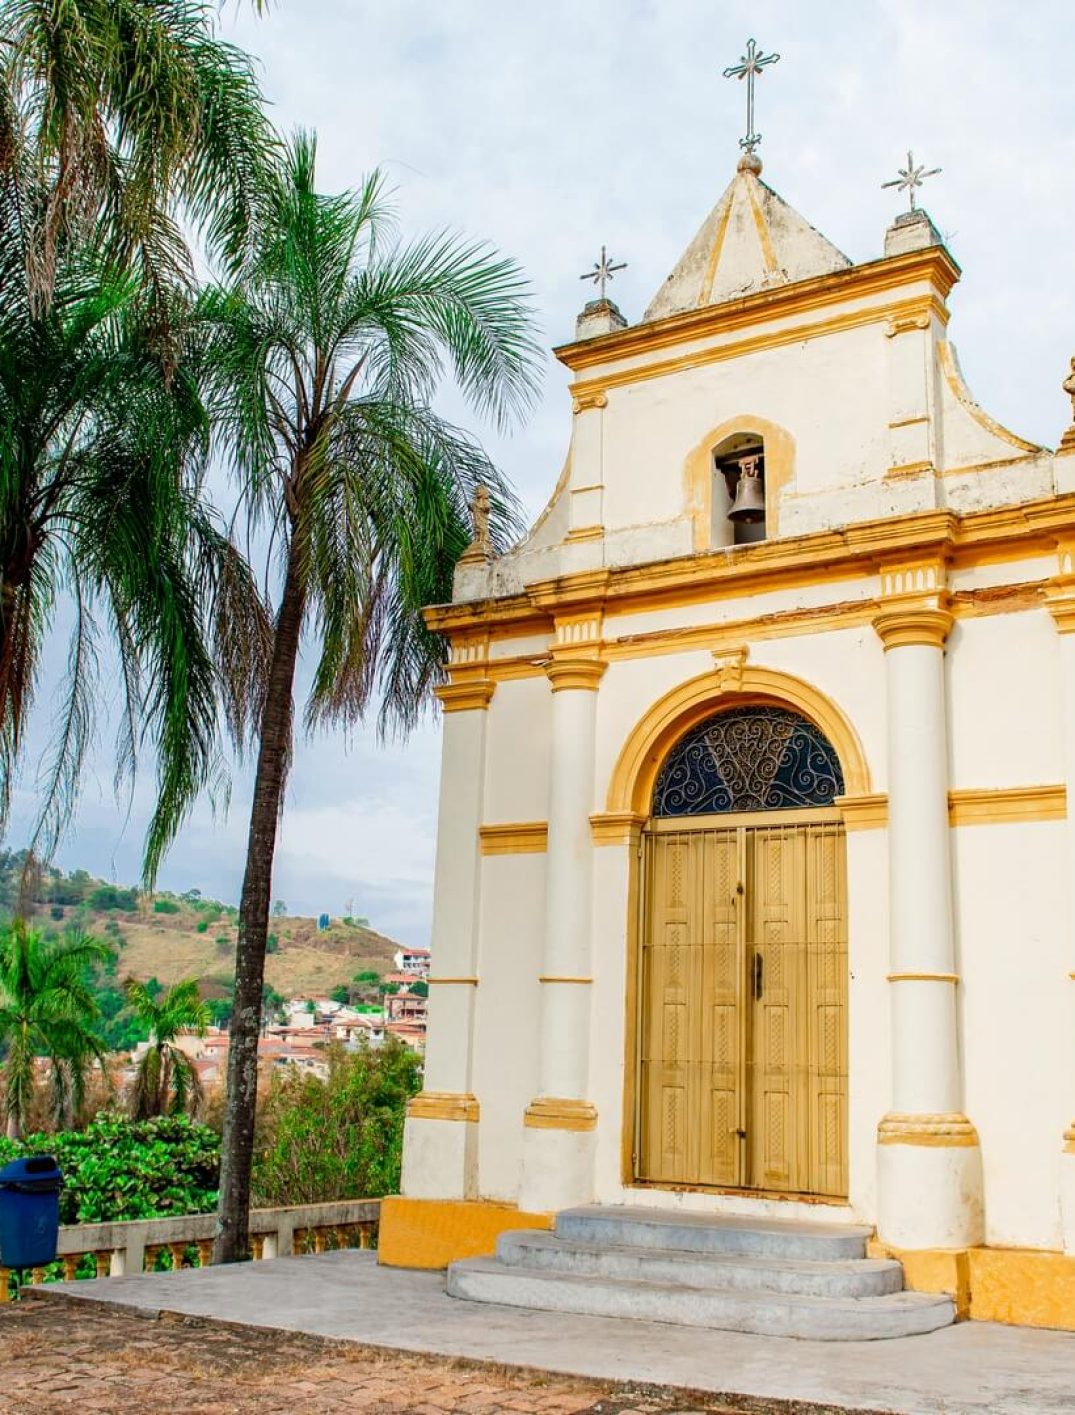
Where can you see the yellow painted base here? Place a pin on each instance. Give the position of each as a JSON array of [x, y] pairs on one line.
[[1026, 1287], [431, 1233]]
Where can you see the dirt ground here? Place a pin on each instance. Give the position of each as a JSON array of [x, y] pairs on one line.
[[58, 1355]]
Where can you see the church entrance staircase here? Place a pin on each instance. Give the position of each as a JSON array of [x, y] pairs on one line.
[[777, 1277]]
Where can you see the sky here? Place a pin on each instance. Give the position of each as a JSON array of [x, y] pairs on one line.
[[550, 128]]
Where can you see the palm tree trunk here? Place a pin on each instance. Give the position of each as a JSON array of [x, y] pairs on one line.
[[237, 1146]]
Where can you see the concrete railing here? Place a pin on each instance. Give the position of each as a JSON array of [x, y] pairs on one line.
[[134, 1245]]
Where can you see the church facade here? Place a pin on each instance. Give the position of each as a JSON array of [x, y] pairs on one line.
[[755, 880]]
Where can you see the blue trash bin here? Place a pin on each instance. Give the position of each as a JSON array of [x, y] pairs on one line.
[[29, 1211]]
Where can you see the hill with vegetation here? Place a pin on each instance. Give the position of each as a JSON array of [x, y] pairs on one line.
[[167, 937]]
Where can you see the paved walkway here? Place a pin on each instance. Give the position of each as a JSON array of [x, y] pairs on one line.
[[967, 1369], [103, 1360]]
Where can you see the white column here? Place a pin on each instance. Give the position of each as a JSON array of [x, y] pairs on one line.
[[440, 1138], [558, 1141], [929, 1164], [1061, 605]]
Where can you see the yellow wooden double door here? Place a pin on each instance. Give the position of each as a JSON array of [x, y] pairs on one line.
[[742, 1027]]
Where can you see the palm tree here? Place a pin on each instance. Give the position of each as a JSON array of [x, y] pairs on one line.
[[139, 119], [167, 1082], [47, 1009], [325, 351], [102, 455]]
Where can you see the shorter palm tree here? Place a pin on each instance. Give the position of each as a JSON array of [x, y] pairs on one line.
[[167, 1081], [47, 1009]]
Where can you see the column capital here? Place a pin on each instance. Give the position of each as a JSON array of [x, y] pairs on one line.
[[566, 673], [443, 1105], [1060, 602], [909, 625], [560, 1113], [469, 695]]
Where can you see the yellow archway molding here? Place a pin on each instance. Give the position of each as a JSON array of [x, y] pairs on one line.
[[635, 772], [698, 472]]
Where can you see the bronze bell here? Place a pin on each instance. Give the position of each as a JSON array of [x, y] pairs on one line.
[[749, 503]]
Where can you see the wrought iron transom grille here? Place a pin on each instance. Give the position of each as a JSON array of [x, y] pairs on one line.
[[748, 759]]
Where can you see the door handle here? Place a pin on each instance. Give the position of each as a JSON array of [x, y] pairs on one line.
[[757, 976]]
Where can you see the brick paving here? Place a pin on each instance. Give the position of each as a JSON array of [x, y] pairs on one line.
[[58, 1355]]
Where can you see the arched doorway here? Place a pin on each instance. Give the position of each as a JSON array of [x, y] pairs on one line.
[[741, 1042]]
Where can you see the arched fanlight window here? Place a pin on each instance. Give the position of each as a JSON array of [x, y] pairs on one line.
[[748, 759]]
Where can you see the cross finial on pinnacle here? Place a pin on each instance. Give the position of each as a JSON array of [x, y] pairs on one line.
[[603, 271], [911, 178], [749, 67]]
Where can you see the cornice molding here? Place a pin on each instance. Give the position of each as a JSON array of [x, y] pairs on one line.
[[617, 827], [514, 838], [1000, 805], [473, 695], [934, 265], [866, 812]]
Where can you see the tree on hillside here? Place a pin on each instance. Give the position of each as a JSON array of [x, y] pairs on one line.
[[101, 465], [47, 1010], [325, 351], [166, 1081]]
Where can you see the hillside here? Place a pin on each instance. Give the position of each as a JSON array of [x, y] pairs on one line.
[[169, 937]]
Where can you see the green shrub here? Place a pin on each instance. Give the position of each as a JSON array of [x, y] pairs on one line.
[[165, 906], [127, 1169], [56, 912], [202, 926], [110, 896], [222, 940], [336, 1139], [272, 944]]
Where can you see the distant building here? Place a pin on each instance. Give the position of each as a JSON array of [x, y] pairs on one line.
[[413, 961]]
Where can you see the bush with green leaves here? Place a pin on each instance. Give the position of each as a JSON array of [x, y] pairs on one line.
[[130, 1169], [110, 896], [341, 1138], [165, 906]]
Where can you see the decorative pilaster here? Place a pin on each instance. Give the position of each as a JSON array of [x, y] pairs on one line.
[[560, 1122], [929, 1164], [1060, 601], [440, 1142]]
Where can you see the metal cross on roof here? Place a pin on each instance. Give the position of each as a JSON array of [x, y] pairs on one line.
[[911, 178], [749, 67], [603, 271]]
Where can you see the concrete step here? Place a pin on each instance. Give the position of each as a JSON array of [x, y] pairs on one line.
[[547, 1252], [633, 1226], [764, 1312]]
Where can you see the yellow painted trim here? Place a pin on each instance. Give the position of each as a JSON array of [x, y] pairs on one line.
[[913, 626], [583, 674], [617, 827], [772, 338], [1027, 1287], [468, 982], [514, 838], [557, 1113], [953, 376], [762, 227], [922, 978], [431, 1233], [443, 1105], [596, 399], [1060, 602], [698, 472], [910, 422], [1069, 1140], [998, 805], [994, 536], [584, 532], [470, 696], [718, 246], [950, 1130], [551, 978], [934, 265], [863, 812], [647, 745], [908, 469]]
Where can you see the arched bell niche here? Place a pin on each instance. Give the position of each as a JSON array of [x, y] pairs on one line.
[[738, 500]]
